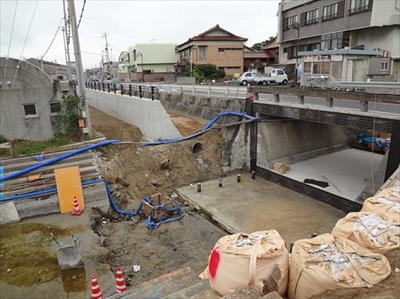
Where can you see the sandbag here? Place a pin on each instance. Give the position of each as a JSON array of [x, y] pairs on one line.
[[257, 261], [327, 263], [386, 202], [374, 231]]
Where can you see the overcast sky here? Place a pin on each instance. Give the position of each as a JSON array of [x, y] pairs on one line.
[[126, 23]]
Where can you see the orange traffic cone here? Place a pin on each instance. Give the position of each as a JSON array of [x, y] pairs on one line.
[[120, 283], [96, 292], [77, 211]]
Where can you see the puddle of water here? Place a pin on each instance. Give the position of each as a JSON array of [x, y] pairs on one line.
[[27, 258]]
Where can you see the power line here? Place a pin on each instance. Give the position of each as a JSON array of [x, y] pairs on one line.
[[91, 53], [26, 38], [9, 44], [54, 37]]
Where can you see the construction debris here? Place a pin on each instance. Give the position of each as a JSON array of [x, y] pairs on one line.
[[281, 167]]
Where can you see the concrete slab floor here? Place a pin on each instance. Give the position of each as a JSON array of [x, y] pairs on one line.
[[254, 205], [347, 172]]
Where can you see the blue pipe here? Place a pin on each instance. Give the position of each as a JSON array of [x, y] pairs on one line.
[[232, 113], [152, 225], [107, 142], [202, 131], [54, 190], [56, 159], [116, 209], [43, 192]]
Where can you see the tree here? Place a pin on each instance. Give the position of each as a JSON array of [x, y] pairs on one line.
[[259, 46], [207, 71]]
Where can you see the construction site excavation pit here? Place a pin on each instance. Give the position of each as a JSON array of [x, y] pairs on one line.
[[29, 266]]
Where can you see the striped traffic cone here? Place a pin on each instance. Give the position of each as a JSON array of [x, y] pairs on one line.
[[77, 210], [120, 283], [96, 292]]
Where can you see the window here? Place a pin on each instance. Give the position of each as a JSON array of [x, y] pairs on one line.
[[229, 49], [202, 52], [357, 6], [317, 68], [333, 41], [280, 72], [55, 108], [290, 22], [384, 66], [310, 17], [325, 68], [30, 110], [307, 67], [331, 11]]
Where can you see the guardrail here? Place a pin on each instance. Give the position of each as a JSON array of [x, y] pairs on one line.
[[368, 84], [131, 89], [330, 95]]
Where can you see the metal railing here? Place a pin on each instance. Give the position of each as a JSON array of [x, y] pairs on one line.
[[132, 89]]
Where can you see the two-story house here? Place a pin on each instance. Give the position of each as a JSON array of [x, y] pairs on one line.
[[215, 46], [151, 61], [345, 40]]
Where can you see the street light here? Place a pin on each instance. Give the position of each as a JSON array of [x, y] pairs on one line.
[[296, 26], [141, 61]]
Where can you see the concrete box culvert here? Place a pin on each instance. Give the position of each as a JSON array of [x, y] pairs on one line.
[[196, 147]]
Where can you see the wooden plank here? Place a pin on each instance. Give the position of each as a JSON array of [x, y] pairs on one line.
[[68, 181]]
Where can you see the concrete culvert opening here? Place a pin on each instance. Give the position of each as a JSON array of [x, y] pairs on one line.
[[197, 147]]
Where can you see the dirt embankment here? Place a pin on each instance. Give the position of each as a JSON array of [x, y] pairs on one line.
[[148, 170]]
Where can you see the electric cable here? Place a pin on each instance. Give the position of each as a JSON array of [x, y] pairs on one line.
[[52, 41], [26, 38], [9, 43]]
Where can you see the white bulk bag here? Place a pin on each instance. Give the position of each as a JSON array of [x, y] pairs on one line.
[[327, 263], [374, 231]]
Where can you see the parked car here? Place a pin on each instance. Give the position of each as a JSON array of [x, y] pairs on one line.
[[276, 76]]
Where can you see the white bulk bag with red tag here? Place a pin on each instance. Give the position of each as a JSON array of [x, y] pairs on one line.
[[258, 261]]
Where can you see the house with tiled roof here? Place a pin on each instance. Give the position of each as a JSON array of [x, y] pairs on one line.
[[260, 60], [214, 46]]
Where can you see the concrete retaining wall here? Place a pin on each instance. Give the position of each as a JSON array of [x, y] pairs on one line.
[[292, 141], [149, 116], [201, 108]]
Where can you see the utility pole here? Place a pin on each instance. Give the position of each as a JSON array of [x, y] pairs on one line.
[[107, 54], [79, 68], [66, 45]]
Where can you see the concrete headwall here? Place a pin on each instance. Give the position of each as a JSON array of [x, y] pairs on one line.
[[201, 108], [291, 141], [149, 116]]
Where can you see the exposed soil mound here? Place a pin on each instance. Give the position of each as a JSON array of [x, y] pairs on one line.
[[163, 168]]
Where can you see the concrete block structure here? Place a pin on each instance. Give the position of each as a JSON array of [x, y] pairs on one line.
[[29, 101]]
